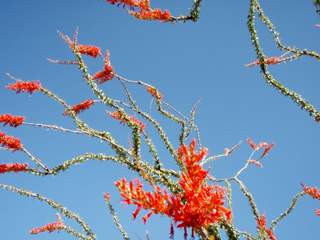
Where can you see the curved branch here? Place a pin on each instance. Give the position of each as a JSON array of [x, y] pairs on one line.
[[293, 204], [63, 210]]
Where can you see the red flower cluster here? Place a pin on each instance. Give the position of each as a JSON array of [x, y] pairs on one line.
[[81, 106], [263, 230], [196, 205], [152, 14], [145, 12], [10, 142], [107, 73], [13, 121], [50, 227], [200, 204], [314, 192], [106, 196], [119, 116], [13, 167], [154, 92], [21, 86], [89, 50], [266, 147], [269, 61]]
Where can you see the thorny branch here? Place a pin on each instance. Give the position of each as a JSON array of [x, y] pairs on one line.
[[156, 173]]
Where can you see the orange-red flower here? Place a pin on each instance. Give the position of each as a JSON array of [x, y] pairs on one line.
[[10, 142], [196, 205], [106, 196], [50, 227], [21, 86], [145, 11], [13, 121], [317, 212], [269, 61], [132, 120], [252, 144], [314, 192], [152, 14], [89, 50], [13, 167], [154, 93], [266, 147], [263, 230], [81, 106], [255, 162], [107, 73]]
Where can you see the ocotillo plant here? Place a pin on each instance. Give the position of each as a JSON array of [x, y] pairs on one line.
[[180, 187]]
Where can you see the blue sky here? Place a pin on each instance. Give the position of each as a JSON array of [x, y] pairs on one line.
[[187, 62]]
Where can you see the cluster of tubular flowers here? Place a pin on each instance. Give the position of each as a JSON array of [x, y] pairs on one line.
[[10, 142], [13, 167], [145, 11], [50, 227], [196, 205], [107, 73], [263, 230], [89, 50], [25, 86], [13, 121], [269, 61], [81, 106], [313, 192], [154, 93], [118, 115], [256, 147]]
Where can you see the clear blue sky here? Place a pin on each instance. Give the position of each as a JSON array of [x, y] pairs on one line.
[[186, 62]]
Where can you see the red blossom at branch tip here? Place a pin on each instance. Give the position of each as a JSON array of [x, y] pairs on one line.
[[268, 61], [252, 144], [106, 196], [152, 14], [266, 150], [81, 106], [89, 50], [13, 167], [50, 227], [314, 192], [107, 73], [118, 115], [21, 86], [255, 162], [266, 147], [11, 120], [142, 10], [154, 93], [10, 142]]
